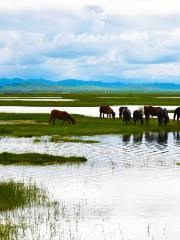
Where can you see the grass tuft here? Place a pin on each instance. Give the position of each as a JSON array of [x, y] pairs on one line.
[[37, 159], [57, 138]]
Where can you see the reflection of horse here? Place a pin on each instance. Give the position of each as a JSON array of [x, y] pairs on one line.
[[61, 115], [161, 138], [105, 109], [150, 111], [121, 109], [177, 114], [162, 116], [126, 115], [138, 117], [137, 138]]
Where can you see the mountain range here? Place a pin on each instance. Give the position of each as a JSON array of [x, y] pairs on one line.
[[68, 85]]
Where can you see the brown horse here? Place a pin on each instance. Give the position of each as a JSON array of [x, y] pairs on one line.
[[61, 115], [105, 109], [150, 111]]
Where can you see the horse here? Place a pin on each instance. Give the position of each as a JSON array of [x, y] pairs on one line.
[[162, 116], [121, 111], [61, 115], [177, 113], [138, 117], [150, 111], [126, 115], [105, 109]]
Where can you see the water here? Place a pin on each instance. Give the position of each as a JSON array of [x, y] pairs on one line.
[[128, 189], [87, 111]]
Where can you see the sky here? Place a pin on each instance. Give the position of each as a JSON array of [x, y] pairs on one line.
[[117, 40]]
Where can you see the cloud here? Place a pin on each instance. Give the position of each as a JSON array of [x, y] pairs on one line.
[[57, 40]]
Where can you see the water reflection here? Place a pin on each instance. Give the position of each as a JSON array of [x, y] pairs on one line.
[[137, 138], [176, 135], [160, 138]]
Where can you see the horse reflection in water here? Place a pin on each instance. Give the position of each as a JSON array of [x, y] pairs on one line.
[[138, 138], [176, 136], [161, 138], [126, 138]]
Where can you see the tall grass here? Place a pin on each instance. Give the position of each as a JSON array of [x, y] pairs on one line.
[[17, 195]]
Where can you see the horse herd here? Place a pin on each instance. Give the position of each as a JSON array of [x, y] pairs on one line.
[[147, 111], [124, 113]]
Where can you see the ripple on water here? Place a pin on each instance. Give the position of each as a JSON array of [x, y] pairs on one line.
[[129, 184]]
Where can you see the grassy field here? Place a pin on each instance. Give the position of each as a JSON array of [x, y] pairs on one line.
[[37, 159], [96, 99], [85, 126]]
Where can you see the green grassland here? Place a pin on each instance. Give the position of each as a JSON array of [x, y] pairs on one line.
[[97, 99], [85, 126]]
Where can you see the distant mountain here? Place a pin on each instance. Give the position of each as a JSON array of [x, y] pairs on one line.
[[43, 85]]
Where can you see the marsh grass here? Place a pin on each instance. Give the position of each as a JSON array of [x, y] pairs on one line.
[[37, 159], [14, 197], [17, 195], [57, 138], [8, 231]]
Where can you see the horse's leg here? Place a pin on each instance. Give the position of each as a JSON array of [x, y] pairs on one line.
[[147, 119], [178, 119], [53, 120], [50, 119]]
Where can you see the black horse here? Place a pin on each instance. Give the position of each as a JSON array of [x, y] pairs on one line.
[[162, 116], [177, 114], [121, 109], [126, 115], [138, 117]]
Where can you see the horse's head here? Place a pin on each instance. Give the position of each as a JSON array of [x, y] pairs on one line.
[[73, 121]]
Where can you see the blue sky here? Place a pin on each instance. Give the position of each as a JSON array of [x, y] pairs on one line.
[[122, 40]]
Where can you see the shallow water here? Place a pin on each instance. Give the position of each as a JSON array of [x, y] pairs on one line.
[[87, 111], [128, 189]]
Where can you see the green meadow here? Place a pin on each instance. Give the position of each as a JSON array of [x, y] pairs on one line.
[[28, 125], [96, 99]]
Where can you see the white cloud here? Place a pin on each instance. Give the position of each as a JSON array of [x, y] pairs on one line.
[[90, 39]]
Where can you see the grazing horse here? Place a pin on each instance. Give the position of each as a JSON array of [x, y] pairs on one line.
[[105, 109], [61, 115], [150, 111], [177, 113], [121, 111], [138, 117], [162, 116], [126, 115]]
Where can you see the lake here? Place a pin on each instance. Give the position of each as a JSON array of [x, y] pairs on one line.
[[128, 189]]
